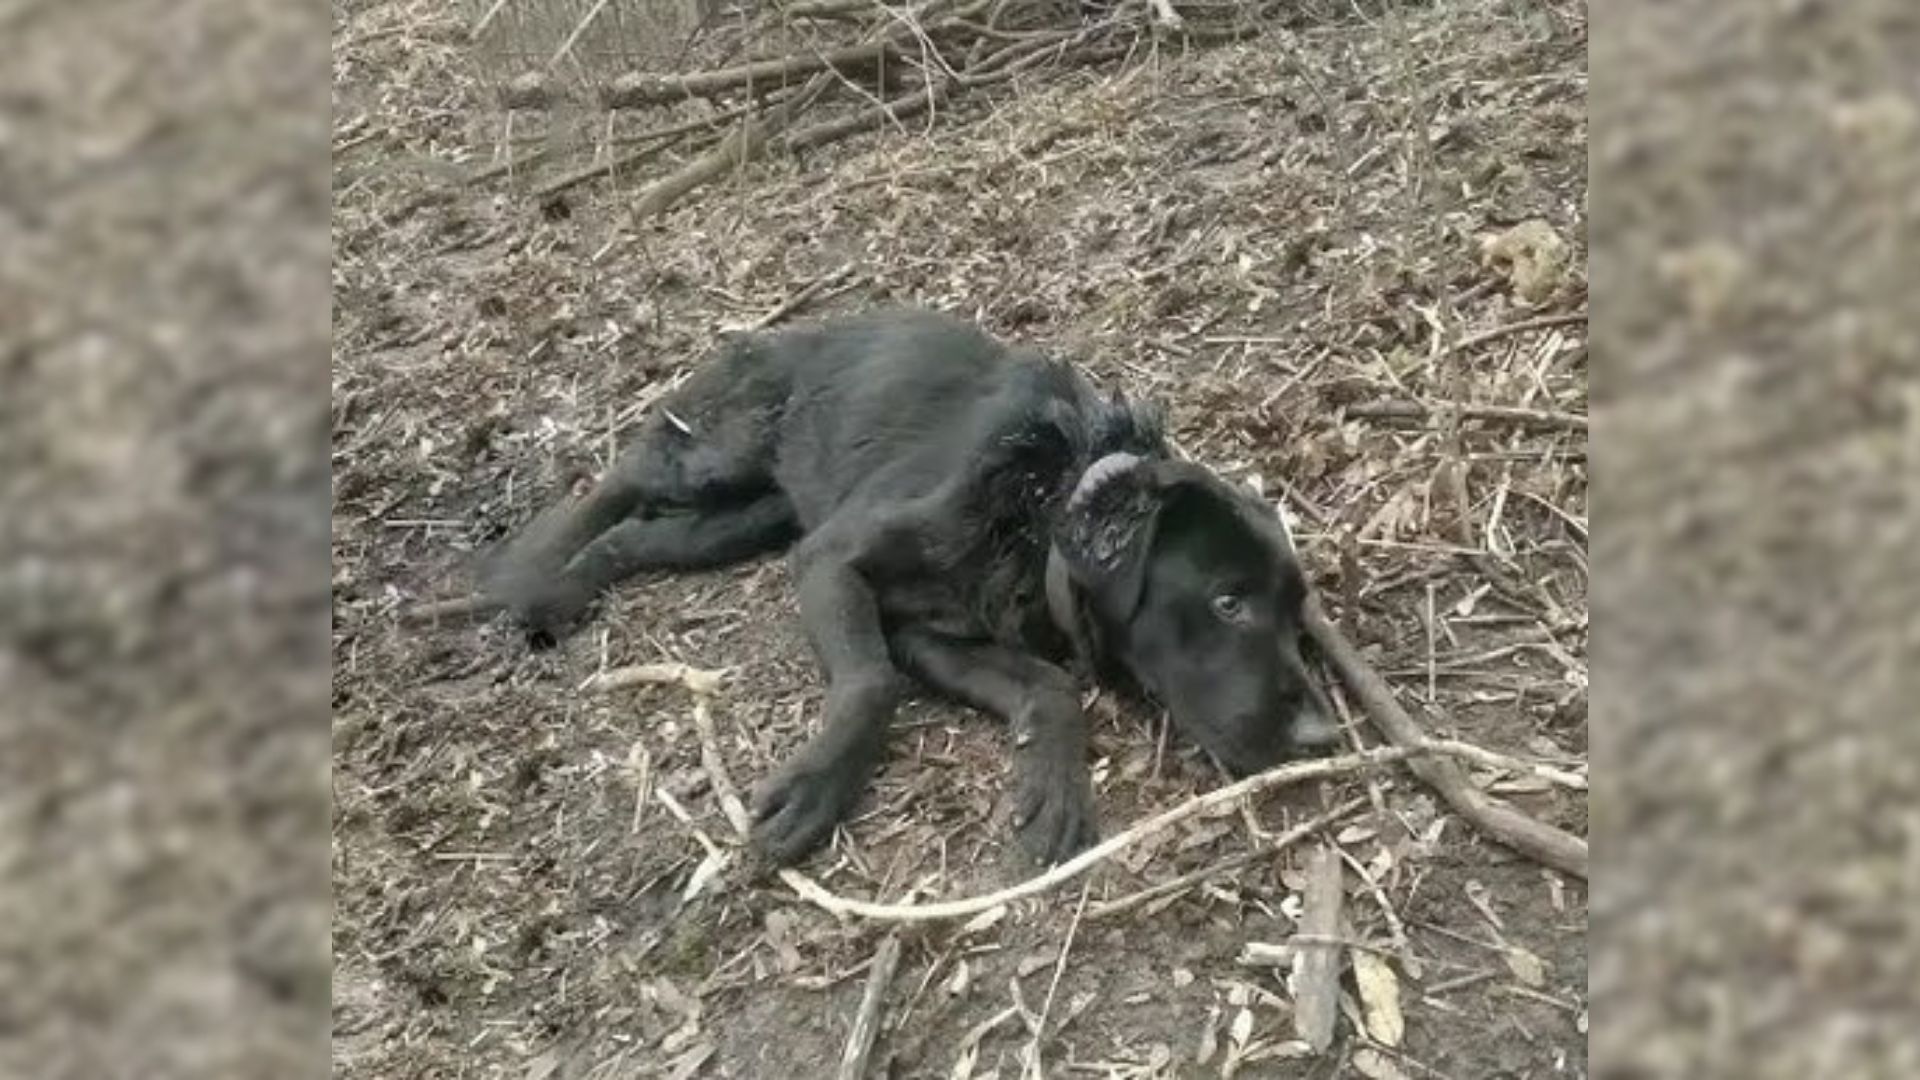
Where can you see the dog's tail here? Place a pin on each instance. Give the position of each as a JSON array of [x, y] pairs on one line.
[[527, 575]]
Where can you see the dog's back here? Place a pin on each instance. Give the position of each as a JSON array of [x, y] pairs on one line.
[[779, 431], [891, 404]]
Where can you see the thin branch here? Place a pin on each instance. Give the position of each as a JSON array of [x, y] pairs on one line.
[[1538, 840], [641, 89], [657, 140], [801, 298], [1292, 773], [1541, 322], [911, 103], [1271, 847], [1420, 410], [738, 148]]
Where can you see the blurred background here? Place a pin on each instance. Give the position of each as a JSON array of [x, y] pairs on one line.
[[1756, 805], [163, 539]]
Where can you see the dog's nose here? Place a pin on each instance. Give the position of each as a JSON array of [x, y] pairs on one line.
[[1314, 732]]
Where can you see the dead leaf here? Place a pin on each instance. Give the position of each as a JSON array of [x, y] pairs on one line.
[[1375, 1065], [1283, 1050], [984, 920], [1379, 997], [1030, 964], [779, 930], [1242, 1028], [708, 869], [1209, 1037], [1354, 834], [1528, 968]]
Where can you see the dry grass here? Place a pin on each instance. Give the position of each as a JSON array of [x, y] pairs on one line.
[[1263, 235]]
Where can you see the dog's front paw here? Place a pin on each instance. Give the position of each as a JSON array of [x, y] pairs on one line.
[[1053, 810], [796, 810]]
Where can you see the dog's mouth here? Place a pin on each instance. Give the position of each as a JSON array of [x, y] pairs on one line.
[[1242, 756]]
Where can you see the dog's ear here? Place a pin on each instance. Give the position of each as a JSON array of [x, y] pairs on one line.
[[1113, 518], [1107, 533]]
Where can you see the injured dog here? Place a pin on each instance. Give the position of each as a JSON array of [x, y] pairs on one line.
[[962, 513]]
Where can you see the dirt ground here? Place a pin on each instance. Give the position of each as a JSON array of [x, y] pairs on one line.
[[1269, 236]]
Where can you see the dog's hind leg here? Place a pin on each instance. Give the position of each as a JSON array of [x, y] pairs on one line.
[[1053, 799], [698, 539], [722, 461]]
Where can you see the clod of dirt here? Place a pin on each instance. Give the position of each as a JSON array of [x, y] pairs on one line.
[[1532, 256]]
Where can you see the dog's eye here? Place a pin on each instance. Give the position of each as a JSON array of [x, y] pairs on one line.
[[1230, 607]]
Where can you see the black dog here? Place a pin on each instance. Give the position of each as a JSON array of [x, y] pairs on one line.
[[968, 514]]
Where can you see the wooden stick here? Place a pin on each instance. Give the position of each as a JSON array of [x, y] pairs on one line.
[[742, 146], [812, 891], [639, 90], [866, 1023], [1420, 410], [656, 141], [1316, 964], [1542, 322], [1292, 773], [455, 607], [1033, 1065], [1538, 840], [1271, 847], [1507, 763], [911, 103], [803, 296], [697, 680], [826, 9]]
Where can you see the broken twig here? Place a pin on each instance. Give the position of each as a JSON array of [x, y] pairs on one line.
[[1316, 961], [1542, 322], [457, 607], [697, 680], [1420, 410], [866, 1023]]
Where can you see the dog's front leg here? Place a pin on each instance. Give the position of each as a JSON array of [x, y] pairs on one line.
[[1053, 807], [798, 807]]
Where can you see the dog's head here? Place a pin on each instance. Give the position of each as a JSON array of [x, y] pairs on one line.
[[1190, 584]]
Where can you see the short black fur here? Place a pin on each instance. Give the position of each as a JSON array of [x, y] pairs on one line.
[[924, 474]]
